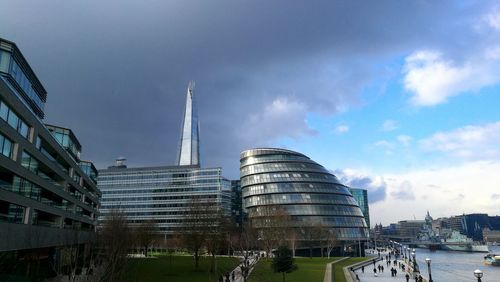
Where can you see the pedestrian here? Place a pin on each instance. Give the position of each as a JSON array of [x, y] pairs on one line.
[[395, 272], [407, 276], [375, 271], [357, 277], [363, 269], [227, 276], [382, 267], [232, 275], [420, 278]]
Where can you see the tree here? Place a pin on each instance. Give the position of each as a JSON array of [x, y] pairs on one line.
[[196, 226], [145, 234], [114, 240], [283, 261], [331, 242], [274, 226]]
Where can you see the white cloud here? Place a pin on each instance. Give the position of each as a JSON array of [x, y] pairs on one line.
[[469, 142], [433, 79], [384, 144], [465, 188], [342, 129], [281, 118], [405, 140], [389, 125], [493, 19]]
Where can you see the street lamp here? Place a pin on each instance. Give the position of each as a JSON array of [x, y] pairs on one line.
[[478, 273], [428, 260]]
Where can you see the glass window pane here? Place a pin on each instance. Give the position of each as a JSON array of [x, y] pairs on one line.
[[4, 111], [7, 148], [13, 119]]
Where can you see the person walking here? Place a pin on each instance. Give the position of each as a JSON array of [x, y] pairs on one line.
[[232, 275], [363, 269], [407, 276], [357, 277]]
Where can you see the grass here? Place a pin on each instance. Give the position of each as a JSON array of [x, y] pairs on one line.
[[338, 268], [309, 269], [177, 269]]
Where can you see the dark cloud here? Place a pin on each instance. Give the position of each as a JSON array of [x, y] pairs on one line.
[[404, 191], [116, 72], [376, 189]]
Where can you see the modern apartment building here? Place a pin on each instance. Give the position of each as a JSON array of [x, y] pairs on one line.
[[165, 194], [48, 195]]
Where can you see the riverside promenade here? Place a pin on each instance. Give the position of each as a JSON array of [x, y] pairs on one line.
[[381, 276]]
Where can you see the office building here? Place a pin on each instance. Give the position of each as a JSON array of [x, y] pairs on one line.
[[164, 194], [361, 196], [305, 190], [48, 196]]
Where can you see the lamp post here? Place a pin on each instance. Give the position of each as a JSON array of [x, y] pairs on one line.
[[416, 271], [428, 260], [479, 274]]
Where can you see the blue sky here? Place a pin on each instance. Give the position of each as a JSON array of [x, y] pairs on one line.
[[398, 97]]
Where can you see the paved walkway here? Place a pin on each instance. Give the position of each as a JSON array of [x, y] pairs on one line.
[[381, 276], [238, 276], [328, 270]]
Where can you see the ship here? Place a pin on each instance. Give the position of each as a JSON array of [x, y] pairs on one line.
[[492, 259], [446, 239], [459, 242]]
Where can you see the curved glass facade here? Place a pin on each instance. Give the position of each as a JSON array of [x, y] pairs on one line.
[[308, 193]]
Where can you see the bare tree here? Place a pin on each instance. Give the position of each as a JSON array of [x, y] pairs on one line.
[[145, 235], [114, 240], [274, 226], [332, 242], [196, 226]]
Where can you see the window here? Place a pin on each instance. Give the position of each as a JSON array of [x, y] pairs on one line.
[[13, 120], [28, 162], [5, 146]]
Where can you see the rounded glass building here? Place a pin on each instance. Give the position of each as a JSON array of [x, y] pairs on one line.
[[305, 190]]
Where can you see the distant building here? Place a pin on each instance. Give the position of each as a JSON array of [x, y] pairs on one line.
[[361, 196], [409, 228], [164, 193], [274, 178], [236, 203], [161, 193], [48, 195]]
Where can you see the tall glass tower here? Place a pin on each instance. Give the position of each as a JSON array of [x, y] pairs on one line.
[[189, 151]]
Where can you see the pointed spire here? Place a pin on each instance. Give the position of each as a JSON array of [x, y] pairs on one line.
[[189, 153]]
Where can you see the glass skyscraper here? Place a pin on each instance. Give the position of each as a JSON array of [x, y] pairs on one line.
[[304, 189], [361, 196], [164, 193]]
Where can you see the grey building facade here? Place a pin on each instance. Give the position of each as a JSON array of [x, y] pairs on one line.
[[48, 197]]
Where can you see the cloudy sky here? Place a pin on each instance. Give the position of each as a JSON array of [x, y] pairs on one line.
[[398, 97]]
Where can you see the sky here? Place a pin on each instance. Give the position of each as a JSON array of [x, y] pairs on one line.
[[397, 97]]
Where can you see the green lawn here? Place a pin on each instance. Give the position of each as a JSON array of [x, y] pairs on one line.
[[309, 269], [338, 268], [179, 269]]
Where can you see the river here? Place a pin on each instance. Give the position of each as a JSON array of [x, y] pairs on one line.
[[448, 266]]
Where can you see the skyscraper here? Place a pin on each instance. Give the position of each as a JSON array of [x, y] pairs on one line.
[[189, 151], [164, 193]]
